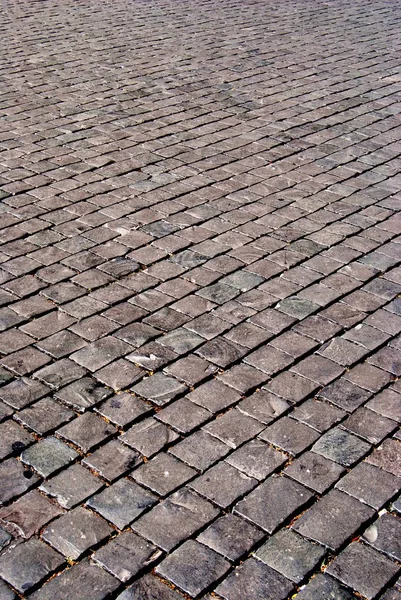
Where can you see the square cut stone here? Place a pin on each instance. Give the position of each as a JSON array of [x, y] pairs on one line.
[[370, 485], [273, 502], [149, 587], [385, 535], [28, 514], [214, 396], [175, 519], [183, 415], [200, 450], [149, 436], [342, 447], [72, 486], [231, 536], [318, 415], [234, 428], [207, 566], [25, 565], [254, 579], [44, 416], [122, 502], [387, 457], [15, 479], [222, 484], [334, 519], [314, 471], [290, 554], [83, 580], [324, 586], [123, 409], [86, 431], [126, 555], [369, 425], [159, 388], [48, 455], [112, 460], [264, 406], [163, 474], [345, 394], [363, 569], [75, 532], [289, 435], [257, 459], [83, 394]]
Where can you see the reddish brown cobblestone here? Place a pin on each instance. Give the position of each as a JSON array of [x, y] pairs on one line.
[[200, 314]]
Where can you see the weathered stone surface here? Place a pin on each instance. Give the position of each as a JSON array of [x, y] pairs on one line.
[[75, 532], [230, 536], [207, 566], [363, 569], [333, 519], [290, 554], [25, 565]]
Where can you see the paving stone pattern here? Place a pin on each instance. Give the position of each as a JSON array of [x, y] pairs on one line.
[[200, 300]]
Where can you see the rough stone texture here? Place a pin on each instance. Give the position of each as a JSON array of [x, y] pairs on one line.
[[200, 271], [290, 554], [205, 566], [363, 569]]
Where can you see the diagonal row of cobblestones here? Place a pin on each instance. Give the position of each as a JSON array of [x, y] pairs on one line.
[[200, 278]]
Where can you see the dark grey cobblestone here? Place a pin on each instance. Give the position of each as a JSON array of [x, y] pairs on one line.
[[199, 300]]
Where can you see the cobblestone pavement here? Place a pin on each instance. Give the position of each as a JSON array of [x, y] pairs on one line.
[[200, 300]]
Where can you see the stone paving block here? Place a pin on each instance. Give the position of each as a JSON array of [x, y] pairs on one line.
[[159, 388], [28, 514], [290, 554], [230, 536], [126, 555], [221, 352], [257, 580], [387, 457], [223, 484], [86, 431], [112, 460], [82, 394], [369, 425], [163, 474], [370, 485], [282, 496], [385, 535], [207, 567], [387, 403], [200, 450], [149, 588], [323, 586], [233, 428], [263, 406], [15, 479], [319, 415], [363, 569], [314, 471], [25, 565], [60, 373], [13, 439], [344, 394], [333, 519], [183, 415], [181, 340], [175, 519], [72, 486], [289, 435], [214, 396], [191, 370], [291, 386], [122, 502], [83, 580], [257, 459], [44, 416], [48, 455], [341, 447], [123, 409], [73, 533], [148, 436], [6, 593]]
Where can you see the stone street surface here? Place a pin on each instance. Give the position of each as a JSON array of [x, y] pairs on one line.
[[200, 281]]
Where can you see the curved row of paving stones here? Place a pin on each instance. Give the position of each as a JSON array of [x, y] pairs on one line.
[[200, 278]]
